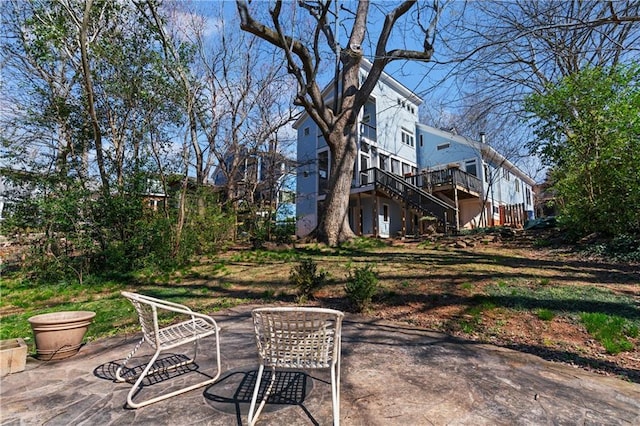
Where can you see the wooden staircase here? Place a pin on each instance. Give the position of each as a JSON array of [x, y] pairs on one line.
[[398, 188]]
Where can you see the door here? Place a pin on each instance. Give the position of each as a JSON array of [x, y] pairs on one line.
[[384, 221]]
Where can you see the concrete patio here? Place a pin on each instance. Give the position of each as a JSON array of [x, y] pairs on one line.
[[391, 375]]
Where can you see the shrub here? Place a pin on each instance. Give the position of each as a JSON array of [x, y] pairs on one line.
[[306, 278], [545, 314], [361, 286], [610, 330]]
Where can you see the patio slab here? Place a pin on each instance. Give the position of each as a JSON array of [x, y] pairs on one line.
[[391, 375]]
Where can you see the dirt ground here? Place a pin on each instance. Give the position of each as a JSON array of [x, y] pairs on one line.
[[453, 297], [449, 284]]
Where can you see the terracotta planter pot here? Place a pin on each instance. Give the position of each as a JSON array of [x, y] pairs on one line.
[[58, 335]]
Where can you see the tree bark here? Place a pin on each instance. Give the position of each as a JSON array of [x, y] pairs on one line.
[[88, 86], [333, 227]]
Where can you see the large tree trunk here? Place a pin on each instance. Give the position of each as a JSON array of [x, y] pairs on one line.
[[333, 226]]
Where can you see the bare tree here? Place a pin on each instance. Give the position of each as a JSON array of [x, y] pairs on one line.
[[234, 94], [306, 58], [500, 52]]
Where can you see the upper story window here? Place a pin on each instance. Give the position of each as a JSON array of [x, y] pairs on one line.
[[470, 167], [306, 131], [407, 138], [395, 166], [517, 185], [506, 174], [528, 196], [323, 171], [383, 162], [443, 146], [486, 173]]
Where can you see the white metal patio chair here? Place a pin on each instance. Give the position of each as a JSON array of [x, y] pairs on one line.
[[198, 326], [297, 338]]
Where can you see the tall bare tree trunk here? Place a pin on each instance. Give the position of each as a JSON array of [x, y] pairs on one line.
[[88, 85]]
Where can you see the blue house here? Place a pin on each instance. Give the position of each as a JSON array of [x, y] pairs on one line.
[[409, 177], [262, 180]]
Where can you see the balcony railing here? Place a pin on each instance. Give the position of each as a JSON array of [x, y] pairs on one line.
[[455, 177], [397, 186]]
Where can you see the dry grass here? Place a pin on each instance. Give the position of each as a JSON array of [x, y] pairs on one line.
[[523, 297], [512, 294]]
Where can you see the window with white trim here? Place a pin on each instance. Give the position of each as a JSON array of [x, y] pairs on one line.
[[395, 166], [383, 162], [323, 171], [470, 167], [407, 137]]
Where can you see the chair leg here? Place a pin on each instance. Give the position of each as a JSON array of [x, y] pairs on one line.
[[255, 395], [335, 394], [138, 382], [119, 376], [148, 371], [253, 418]]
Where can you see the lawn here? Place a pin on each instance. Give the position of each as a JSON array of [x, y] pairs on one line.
[[524, 296]]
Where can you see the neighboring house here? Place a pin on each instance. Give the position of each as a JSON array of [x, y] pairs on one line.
[[264, 179], [15, 186], [486, 187], [400, 183]]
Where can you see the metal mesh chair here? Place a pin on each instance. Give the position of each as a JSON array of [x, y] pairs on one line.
[[198, 326], [297, 338]]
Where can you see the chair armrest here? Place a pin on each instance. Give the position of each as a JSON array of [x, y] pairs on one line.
[[163, 304], [191, 313]]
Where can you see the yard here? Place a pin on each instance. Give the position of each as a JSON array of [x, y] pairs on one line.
[[511, 293]]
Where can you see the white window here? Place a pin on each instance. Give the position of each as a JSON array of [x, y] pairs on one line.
[[506, 175], [364, 165], [395, 166], [470, 167], [323, 171], [383, 162], [407, 137], [517, 185]]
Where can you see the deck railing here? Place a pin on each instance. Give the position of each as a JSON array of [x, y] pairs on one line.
[[432, 180], [397, 186]]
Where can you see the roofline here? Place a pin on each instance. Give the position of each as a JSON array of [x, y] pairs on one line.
[[484, 148], [385, 78]]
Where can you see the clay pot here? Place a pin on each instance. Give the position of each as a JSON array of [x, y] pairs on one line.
[[58, 335]]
